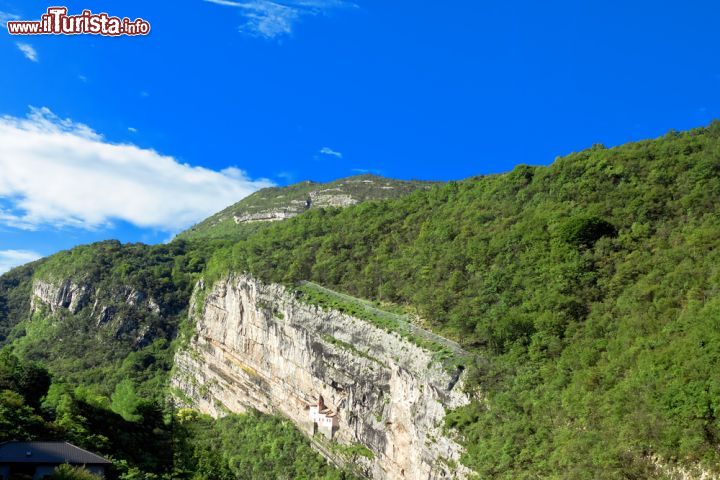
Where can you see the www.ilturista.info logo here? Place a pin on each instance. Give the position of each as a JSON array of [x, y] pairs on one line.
[[57, 22]]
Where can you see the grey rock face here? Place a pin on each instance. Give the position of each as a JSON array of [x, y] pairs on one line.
[[257, 346], [331, 197], [66, 294], [267, 216], [103, 307]]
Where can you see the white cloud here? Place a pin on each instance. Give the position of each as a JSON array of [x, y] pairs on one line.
[[272, 19], [82, 78], [14, 258], [132, 129], [28, 50], [6, 17], [60, 173], [329, 151]]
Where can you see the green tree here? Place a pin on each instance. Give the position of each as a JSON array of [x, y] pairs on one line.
[[125, 400], [69, 472]]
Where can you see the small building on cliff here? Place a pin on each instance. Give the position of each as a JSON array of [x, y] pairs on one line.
[[323, 419]]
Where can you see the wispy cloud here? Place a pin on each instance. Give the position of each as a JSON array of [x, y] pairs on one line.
[[132, 129], [28, 50], [59, 173], [330, 152], [6, 17], [10, 259], [271, 19]]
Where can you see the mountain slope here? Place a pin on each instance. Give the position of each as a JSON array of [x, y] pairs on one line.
[[591, 289], [104, 320], [96, 312], [280, 203], [588, 290]]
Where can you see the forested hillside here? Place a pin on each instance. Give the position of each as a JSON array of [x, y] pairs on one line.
[[588, 291], [127, 307], [92, 368], [589, 288]]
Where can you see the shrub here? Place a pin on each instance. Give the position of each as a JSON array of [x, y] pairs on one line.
[[68, 472]]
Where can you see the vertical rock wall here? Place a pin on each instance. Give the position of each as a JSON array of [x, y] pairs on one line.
[[257, 346]]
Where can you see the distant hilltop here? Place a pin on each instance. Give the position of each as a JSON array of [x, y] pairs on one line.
[[280, 203]]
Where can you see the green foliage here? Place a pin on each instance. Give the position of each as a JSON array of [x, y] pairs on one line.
[[389, 321], [585, 231], [32, 411], [353, 450], [15, 297], [140, 297], [251, 446], [125, 401], [18, 421], [109, 390], [27, 379], [68, 472]]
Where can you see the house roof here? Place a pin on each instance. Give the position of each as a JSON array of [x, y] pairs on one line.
[[48, 452]]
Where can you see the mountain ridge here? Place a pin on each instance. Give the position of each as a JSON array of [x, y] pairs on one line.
[[280, 203]]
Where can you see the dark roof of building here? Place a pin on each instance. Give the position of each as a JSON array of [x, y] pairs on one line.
[[48, 452]]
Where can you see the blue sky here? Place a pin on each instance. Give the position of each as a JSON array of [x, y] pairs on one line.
[[137, 137]]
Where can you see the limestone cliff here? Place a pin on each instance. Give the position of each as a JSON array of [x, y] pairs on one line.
[[258, 346], [123, 311], [63, 294]]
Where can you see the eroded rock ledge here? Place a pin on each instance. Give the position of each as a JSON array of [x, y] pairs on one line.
[[257, 346]]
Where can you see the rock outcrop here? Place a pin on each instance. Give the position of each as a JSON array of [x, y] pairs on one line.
[[122, 309], [267, 216], [330, 197], [258, 346], [56, 295]]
